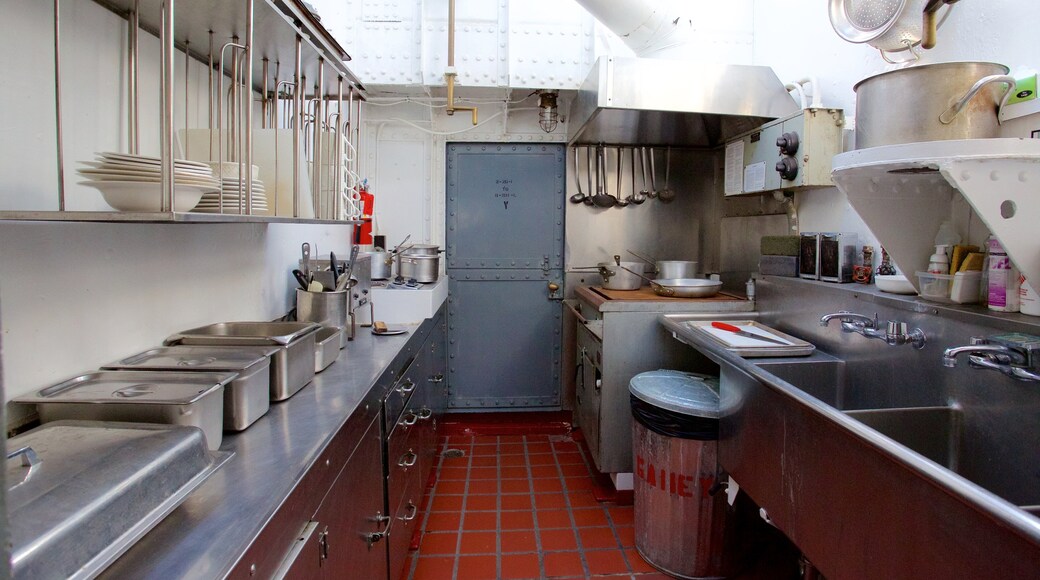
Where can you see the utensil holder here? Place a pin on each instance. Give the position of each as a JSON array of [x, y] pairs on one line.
[[328, 308]]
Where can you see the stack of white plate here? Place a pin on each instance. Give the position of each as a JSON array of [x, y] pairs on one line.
[[134, 182], [233, 190]]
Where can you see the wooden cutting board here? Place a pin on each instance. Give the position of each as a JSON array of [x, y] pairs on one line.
[[647, 294]]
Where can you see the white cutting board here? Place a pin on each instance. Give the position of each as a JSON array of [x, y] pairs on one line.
[[732, 339]]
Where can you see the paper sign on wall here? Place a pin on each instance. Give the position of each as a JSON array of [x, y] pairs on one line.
[[755, 177], [734, 165]]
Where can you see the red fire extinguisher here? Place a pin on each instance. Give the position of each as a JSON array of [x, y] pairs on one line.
[[368, 203]]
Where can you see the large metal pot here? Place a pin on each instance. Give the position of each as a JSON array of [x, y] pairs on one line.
[[933, 102], [424, 269], [673, 269], [381, 261], [623, 278], [421, 250]]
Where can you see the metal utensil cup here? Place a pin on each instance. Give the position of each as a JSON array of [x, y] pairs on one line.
[[328, 308]]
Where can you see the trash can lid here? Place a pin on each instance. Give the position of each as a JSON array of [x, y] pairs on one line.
[[684, 393]]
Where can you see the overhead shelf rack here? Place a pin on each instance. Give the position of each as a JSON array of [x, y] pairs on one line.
[[904, 192]]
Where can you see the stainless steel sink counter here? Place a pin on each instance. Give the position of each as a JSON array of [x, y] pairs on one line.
[[208, 535], [858, 503]]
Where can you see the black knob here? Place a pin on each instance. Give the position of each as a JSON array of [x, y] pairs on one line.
[[787, 167], [788, 143]]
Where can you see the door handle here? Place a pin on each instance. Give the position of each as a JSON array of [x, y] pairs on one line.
[[438, 378], [406, 387], [376, 536], [425, 414], [323, 543], [409, 419], [554, 291]]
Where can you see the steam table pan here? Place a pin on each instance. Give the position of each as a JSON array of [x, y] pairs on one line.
[[195, 399], [86, 491], [292, 367], [246, 397]]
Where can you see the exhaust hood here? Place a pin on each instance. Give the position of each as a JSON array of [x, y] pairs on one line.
[[645, 101]]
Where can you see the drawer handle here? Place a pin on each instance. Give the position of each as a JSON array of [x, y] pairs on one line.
[[376, 536], [406, 387], [323, 543], [438, 378], [425, 414], [413, 510], [405, 462], [409, 419]]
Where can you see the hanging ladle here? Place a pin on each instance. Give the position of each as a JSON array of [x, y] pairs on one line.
[[621, 202], [667, 195], [637, 197], [601, 198], [653, 174], [588, 175], [580, 196]]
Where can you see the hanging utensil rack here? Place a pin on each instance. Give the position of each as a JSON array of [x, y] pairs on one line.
[[260, 33]]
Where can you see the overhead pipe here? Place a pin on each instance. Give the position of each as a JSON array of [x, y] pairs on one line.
[[450, 74], [645, 26]]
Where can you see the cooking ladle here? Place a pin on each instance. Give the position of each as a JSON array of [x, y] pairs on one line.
[[621, 202], [653, 175], [636, 197], [667, 195], [601, 199], [580, 196], [645, 192]]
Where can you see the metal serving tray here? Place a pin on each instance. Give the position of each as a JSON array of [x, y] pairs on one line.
[[292, 367], [194, 399], [326, 347], [246, 398], [94, 489]]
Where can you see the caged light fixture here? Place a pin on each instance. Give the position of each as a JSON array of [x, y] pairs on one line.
[[548, 112]]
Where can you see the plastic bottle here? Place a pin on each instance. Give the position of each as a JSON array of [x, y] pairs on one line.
[[939, 262], [1028, 300], [1003, 279]]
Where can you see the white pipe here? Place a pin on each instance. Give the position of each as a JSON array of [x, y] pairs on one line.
[[817, 96], [797, 88], [645, 26]]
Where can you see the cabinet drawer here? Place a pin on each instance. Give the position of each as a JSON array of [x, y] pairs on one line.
[[403, 527], [404, 464], [398, 397]]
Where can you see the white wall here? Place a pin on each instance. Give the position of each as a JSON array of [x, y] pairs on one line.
[[74, 296], [796, 39]]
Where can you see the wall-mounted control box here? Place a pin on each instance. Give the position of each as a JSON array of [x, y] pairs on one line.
[[786, 154]]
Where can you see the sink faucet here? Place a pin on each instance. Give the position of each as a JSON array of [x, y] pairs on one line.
[[1002, 357], [894, 333]]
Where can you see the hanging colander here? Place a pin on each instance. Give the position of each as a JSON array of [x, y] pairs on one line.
[[888, 25]]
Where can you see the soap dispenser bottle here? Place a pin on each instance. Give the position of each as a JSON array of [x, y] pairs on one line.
[[939, 262]]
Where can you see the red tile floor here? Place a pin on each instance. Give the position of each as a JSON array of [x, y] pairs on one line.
[[521, 506]]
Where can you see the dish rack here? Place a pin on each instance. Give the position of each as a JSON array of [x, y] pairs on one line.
[[276, 48]]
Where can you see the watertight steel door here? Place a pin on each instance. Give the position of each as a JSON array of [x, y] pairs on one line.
[[505, 269]]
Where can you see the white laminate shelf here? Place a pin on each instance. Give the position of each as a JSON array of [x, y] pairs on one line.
[[160, 217]]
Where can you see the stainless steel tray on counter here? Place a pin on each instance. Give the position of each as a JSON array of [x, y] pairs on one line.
[[326, 347], [194, 399], [747, 347], [94, 489], [246, 398], [292, 367]]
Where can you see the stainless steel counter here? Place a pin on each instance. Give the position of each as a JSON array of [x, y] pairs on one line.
[[210, 532]]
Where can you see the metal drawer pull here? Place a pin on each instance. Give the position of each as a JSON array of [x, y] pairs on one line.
[[438, 378], [409, 419], [403, 462], [406, 387], [376, 536], [413, 510], [425, 414], [29, 459], [323, 543]]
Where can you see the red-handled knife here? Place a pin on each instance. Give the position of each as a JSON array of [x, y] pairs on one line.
[[736, 330]]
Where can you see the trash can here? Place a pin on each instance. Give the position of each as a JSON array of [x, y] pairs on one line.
[[680, 528]]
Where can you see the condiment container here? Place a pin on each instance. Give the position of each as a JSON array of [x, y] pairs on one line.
[[246, 397], [194, 399], [1003, 279]]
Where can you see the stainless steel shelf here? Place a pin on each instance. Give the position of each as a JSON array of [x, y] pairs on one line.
[[160, 218], [275, 26]]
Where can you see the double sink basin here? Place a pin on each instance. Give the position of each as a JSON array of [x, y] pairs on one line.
[[872, 479]]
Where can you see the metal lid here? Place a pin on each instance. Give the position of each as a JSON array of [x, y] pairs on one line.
[[685, 393], [195, 358], [133, 387]]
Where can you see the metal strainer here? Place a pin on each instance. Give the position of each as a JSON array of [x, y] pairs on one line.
[[888, 25]]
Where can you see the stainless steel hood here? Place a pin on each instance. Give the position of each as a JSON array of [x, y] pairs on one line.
[[677, 103]]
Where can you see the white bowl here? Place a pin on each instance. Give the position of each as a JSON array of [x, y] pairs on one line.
[[894, 284], [145, 197]]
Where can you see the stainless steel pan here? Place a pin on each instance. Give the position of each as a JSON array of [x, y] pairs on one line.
[[670, 269], [683, 287]]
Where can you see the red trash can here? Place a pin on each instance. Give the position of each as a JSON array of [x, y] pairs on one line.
[[681, 529]]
